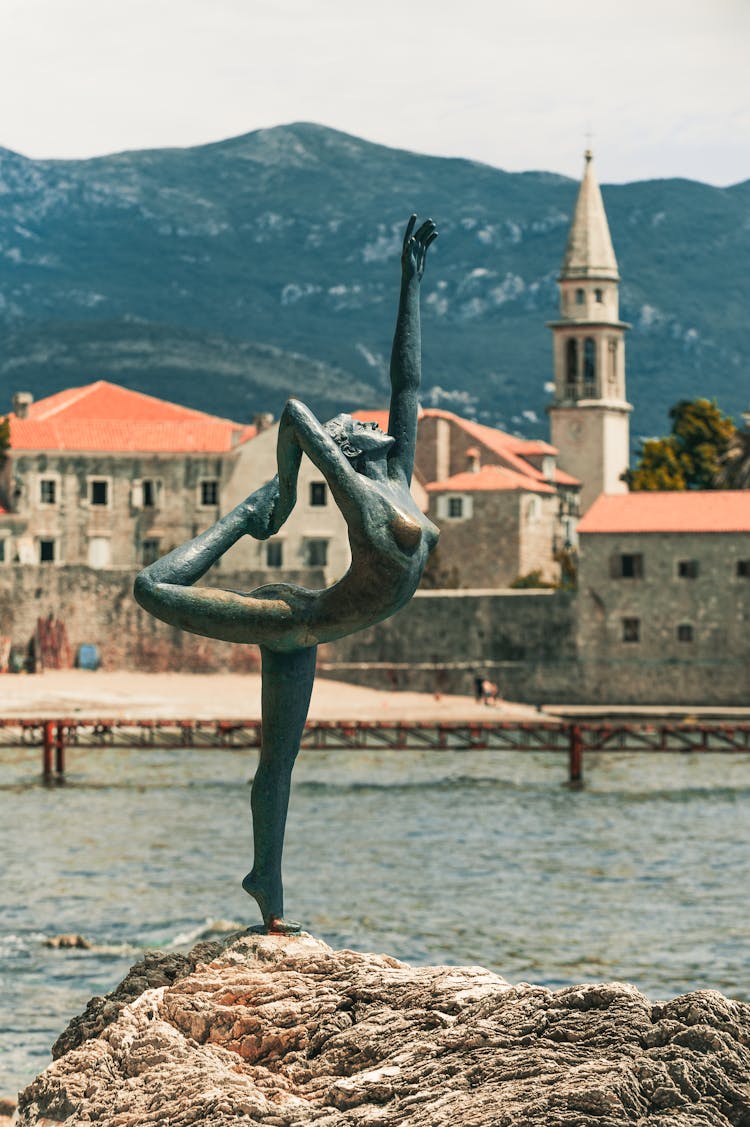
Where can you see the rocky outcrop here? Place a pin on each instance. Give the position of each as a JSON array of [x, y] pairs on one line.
[[284, 1030]]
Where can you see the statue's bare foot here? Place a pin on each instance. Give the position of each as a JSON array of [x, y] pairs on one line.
[[278, 926], [274, 923]]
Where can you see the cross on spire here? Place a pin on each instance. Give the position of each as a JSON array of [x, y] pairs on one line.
[[589, 135]]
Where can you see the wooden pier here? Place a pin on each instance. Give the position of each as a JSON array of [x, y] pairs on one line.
[[56, 738]]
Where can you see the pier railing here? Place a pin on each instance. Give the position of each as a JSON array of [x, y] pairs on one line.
[[56, 737]]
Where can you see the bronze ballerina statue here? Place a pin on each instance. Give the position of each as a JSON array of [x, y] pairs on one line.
[[369, 474]]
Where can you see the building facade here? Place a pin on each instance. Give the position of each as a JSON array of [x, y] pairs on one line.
[[503, 506], [108, 478], [664, 591], [589, 416]]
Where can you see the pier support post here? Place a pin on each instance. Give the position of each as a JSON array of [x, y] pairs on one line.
[[47, 746], [60, 751], [575, 757]]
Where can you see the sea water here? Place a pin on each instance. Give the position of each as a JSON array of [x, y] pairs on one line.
[[434, 857]]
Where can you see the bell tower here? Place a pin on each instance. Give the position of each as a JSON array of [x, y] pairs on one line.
[[589, 416]]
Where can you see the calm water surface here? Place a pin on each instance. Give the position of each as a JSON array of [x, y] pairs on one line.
[[479, 857]]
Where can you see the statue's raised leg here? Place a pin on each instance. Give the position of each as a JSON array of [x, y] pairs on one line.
[[287, 684]]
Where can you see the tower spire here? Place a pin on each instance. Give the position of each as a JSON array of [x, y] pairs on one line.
[[589, 415], [589, 252]]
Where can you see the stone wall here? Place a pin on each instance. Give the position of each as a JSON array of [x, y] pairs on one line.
[[539, 646], [523, 640], [710, 663], [97, 607]]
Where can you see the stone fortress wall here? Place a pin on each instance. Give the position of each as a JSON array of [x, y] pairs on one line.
[[527, 641]]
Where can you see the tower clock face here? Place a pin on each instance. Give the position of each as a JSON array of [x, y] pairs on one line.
[[575, 430]]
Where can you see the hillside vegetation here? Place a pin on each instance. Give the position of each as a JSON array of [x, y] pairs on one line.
[[231, 275]]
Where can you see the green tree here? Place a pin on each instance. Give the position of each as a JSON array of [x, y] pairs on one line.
[[691, 456], [734, 468], [531, 579]]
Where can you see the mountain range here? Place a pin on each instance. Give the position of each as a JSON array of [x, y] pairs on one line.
[[229, 276]]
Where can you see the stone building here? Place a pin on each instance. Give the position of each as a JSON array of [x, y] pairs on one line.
[[664, 594], [105, 477], [314, 537], [589, 416], [503, 506]]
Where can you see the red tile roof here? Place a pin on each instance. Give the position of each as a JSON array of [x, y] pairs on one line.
[[379, 417], [715, 510], [512, 450], [564, 478], [106, 417], [489, 478]]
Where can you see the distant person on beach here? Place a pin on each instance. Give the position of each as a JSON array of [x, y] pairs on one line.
[[489, 693], [369, 475]]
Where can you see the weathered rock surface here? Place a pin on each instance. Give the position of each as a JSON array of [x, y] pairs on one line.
[[284, 1030]]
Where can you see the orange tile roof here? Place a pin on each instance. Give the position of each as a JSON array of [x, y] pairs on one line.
[[489, 478], [514, 451], [562, 477], [715, 510], [380, 417], [106, 417]]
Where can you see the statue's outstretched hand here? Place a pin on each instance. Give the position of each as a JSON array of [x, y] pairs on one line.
[[263, 515], [415, 247]]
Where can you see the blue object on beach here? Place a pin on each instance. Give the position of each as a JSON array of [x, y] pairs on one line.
[[88, 657]]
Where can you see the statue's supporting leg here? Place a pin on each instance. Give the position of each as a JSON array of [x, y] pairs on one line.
[[287, 685]]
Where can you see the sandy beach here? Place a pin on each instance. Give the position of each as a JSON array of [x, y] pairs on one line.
[[208, 696]]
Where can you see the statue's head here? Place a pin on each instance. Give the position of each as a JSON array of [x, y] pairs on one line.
[[355, 439]]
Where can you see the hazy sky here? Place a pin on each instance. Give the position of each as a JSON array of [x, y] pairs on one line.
[[663, 85]]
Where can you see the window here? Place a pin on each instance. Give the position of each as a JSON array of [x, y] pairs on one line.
[[687, 569], [318, 493], [571, 363], [274, 553], [3, 554], [317, 553], [46, 551], [48, 491], [99, 551], [99, 491], [599, 295], [743, 568], [684, 632], [149, 551], [627, 567], [589, 363], [209, 493], [631, 629], [149, 494], [454, 506], [612, 347], [580, 296]]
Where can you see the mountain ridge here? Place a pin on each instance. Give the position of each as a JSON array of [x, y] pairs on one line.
[[287, 238]]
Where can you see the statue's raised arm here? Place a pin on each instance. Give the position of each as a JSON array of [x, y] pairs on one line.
[[406, 361]]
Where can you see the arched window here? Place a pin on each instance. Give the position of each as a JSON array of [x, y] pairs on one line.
[[579, 297], [599, 295], [571, 365], [589, 364], [613, 361]]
